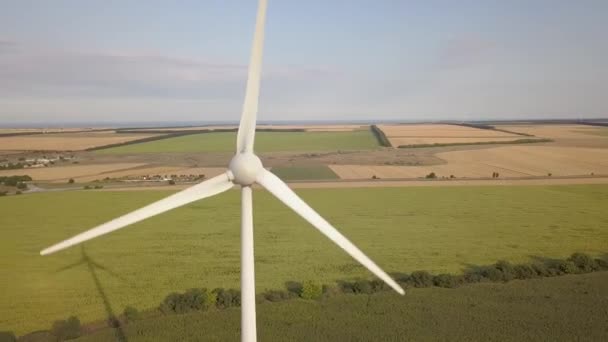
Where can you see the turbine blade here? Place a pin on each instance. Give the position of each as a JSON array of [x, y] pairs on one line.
[[246, 134], [207, 188], [280, 190]]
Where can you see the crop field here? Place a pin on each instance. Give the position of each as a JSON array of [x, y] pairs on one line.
[[442, 229], [78, 172], [304, 173], [569, 135], [423, 134], [264, 142], [66, 141], [570, 308], [508, 161], [309, 128]]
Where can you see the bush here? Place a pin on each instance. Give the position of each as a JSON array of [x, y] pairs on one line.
[[583, 262], [473, 277], [523, 271], [18, 192], [98, 186], [87, 187], [362, 287], [227, 298], [294, 288], [565, 267], [507, 270], [330, 291], [601, 264], [491, 273], [66, 330], [421, 279], [7, 336], [171, 182], [131, 314], [541, 269], [445, 280], [21, 186], [71, 181], [311, 290], [191, 300], [276, 295], [3, 193], [431, 175]]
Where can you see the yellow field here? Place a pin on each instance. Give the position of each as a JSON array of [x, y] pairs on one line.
[[422, 134], [573, 135], [63, 173], [66, 141], [508, 161]]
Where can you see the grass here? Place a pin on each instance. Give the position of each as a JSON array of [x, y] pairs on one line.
[[566, 308], [321, 172], [402, 229], [264, 142]]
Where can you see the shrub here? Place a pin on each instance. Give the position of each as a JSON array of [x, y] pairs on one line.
[[583, 262], [227, 298], [541, 269], [379, 286], [276, 295], [18, 192], [66, 330], [311, 290], [506, 268], [445, 280], [602, 264], [566, 267], [191, 300], [87, 187], [71, 181], [472, 277], [524, 271], [131, 314], [21, 186], [330, 291], [294, 287], [362, 287], [171, 182], [7, 336], [98, 186], [491, 273], [421, 279], [431, 175]]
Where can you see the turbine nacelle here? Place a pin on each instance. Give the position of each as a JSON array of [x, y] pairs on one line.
[[245, 168]]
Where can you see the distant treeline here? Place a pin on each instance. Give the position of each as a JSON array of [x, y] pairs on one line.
[[518, 141], [379, 134], [202, 299], [601, 124]]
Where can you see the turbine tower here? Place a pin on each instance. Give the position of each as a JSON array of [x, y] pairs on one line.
[[245, 169]]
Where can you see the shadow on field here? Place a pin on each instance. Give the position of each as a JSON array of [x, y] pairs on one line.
[[93, 266]]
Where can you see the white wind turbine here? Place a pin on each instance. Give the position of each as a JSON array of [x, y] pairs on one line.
[[245, 169]]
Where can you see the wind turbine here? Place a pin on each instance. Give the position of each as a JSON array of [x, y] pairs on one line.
[[245, 169]]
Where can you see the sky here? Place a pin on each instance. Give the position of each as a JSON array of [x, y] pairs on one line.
[[150, 61]]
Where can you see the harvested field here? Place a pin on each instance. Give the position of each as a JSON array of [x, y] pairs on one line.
[[508, 161], [441, 134], [66, 141], [565, 135], [63, 173]]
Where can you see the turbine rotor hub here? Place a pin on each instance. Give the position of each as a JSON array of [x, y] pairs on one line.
[[245, 168]]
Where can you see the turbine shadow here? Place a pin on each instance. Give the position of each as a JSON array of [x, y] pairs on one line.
[[92, 267]]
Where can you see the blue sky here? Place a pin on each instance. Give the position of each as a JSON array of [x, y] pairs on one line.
[[335, 60]]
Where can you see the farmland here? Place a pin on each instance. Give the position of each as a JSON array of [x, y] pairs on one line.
[[66, 141], [264, 142], [441, 229], [564, 308], [425, 134], [509, 161]]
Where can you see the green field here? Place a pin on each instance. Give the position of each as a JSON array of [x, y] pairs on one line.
[[403, 229], [264, 142], [305, 172], [570, 308]]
